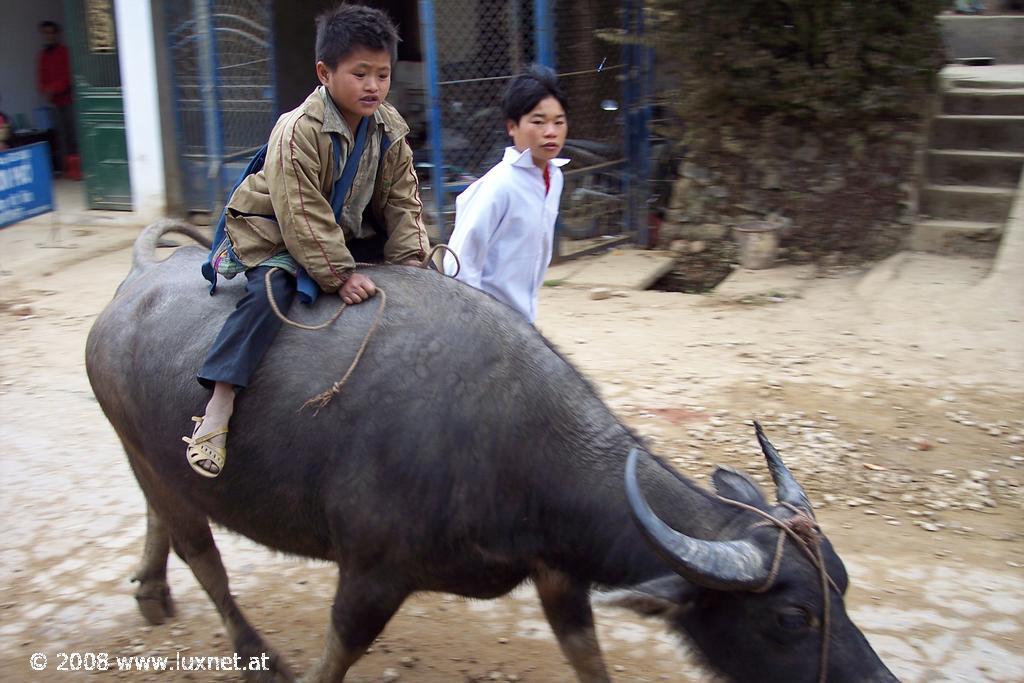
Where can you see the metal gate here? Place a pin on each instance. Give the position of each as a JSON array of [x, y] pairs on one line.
[[222, 73], [221, 55], [473, 47]]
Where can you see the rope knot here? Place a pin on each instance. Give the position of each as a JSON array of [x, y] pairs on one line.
[[804, 527], [803, 530]]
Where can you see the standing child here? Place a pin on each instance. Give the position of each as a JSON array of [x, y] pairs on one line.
[[505, 221], [54, 81], [286, 215]]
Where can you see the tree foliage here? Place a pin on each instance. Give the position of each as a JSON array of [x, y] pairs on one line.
[[822, 62]]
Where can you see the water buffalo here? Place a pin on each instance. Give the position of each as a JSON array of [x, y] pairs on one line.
[[465, 455]]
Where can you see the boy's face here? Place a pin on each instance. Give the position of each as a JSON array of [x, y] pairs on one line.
[[359, 83], [542, 131]]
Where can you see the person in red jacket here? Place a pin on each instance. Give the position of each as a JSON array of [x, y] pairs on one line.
[[55, 82]]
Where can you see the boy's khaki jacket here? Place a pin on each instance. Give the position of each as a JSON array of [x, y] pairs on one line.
[[286, 206]]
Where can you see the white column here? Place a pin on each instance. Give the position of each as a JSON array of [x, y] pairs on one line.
[[141, 107]]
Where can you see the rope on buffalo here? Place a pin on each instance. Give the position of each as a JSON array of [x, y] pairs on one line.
[[337, 314], [804, 532], [430, 257], [322, 399]]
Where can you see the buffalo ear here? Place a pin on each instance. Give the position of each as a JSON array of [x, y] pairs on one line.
[[662, 597], [737, 486]]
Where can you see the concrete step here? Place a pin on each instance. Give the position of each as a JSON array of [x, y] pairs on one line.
[[986, 83], [966, 167], [987, 133], [956, 238], [966, 203], [981, 101]]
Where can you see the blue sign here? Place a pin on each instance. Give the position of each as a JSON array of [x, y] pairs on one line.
[[26, 183]]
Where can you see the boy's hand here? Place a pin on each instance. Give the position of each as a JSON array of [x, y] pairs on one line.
[[357, 289]]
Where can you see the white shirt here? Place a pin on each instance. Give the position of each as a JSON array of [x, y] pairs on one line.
[[504, 230]]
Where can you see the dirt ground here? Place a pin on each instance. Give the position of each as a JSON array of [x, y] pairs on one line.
[[894, 393]]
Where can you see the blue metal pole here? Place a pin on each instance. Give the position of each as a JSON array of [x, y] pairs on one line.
[[433, 112], [543, 32], [271, 92], [643, 117], [628, 109], [208, 88], [544, 48]]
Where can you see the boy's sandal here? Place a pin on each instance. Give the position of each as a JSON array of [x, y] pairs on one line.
[[199, 450]]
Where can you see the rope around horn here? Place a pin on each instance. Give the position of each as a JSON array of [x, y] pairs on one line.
[[806, 534]]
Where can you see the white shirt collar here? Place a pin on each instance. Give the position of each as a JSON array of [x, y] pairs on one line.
[[524, 159]]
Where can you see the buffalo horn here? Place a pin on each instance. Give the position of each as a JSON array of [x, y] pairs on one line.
[[720, 565], [787, 490]]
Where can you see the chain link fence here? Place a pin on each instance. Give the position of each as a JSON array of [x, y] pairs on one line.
[[590, 70], [222, 72], [473, 47], [479, 46]]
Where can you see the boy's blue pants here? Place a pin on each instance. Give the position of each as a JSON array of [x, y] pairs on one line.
[[249, 330]]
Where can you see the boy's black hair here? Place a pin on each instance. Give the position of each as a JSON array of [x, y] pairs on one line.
[[348, 27], [49, 24], [525, 91]]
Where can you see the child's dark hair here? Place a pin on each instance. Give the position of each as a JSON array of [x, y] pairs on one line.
[[348, 27], [525, 91], [43, 25]]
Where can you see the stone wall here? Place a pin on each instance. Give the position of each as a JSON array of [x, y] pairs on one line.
[[852, 192]]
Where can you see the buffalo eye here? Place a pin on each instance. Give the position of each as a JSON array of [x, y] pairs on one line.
[[794, 618]]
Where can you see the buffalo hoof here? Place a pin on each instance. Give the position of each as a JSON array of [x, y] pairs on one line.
[[155, 602], [263, 663]]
